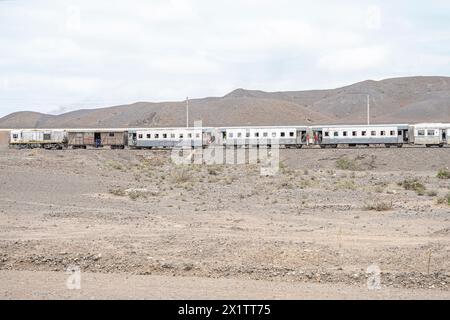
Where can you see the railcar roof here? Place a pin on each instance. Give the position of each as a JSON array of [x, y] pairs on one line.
[[360, 126], [432, 125]]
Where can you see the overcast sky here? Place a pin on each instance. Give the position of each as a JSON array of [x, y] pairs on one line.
[[64, 55]]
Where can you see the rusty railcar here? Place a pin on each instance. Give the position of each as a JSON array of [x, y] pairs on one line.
[[97, 138]]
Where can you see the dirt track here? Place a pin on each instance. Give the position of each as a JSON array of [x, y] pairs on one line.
[[117, 214]]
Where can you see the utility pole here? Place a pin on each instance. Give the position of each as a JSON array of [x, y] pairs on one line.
[[187, 112], [368, 109]]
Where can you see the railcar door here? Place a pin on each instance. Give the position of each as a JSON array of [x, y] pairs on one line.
[[97, 139]]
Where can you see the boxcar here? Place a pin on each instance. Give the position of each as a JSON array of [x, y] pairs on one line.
[[388, 135], [98, 138], [430, 134], [38, 138]]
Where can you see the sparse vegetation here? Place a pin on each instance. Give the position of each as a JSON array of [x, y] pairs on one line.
[[114, 165], [413, 185], [136, 194], [443, 174], [214, 170], [345, 185], [432, 193], [117, 192], [347, 164], [379, 206], [181, 176], [444, 200]]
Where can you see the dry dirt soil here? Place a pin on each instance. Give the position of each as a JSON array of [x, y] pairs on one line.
[[139, 226]]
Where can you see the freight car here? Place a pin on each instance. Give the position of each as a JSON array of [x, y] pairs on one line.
[[38, 138], [97, 138]]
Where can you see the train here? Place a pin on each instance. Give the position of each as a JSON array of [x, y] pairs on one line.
[[323, 136]]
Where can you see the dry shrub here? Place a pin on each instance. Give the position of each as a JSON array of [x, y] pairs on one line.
[[379, 206]]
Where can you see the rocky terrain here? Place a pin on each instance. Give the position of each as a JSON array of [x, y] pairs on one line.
[[398, 100], [128, 218]]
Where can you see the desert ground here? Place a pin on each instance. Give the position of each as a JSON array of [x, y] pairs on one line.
[[139, 226]]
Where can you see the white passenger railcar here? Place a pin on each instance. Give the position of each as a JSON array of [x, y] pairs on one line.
[[267, 136], [354, 135], [167, 137], [430, 134]]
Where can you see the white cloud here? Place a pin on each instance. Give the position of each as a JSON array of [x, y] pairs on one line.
[[354, 59], [91, 53]]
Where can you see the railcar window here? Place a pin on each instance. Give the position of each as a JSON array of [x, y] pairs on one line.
[[140, 136], [327, 134], [336, 134], [291, 134], [383, 133], [189, 135], [282, 134], [164, 135], [274, 134], [430, 132], [256, 134], [15, 136], [47, 136], [364, 133], [247, 134], [156, 135], [172, 135], [354, 133], [265, 134], [421, 132], [239, 134], [181, 136], [111, 134], [373, 133], [149, 135], [392, 133], [230, 135], [345, 133], [197, 135]]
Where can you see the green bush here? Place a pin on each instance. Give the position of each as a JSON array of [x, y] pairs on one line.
[[414, 185], [443, 174]]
